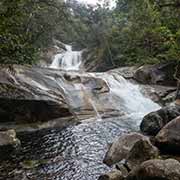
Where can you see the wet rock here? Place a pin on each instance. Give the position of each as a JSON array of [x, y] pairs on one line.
[[156, 170], [163, 95], [168, 139], [142, 151], [121, 147], [113, 175], [161, 74], [126, 72], [155, 121], [8, 144], [29, 111], [28, 95]]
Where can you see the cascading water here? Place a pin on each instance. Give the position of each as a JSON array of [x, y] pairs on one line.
[[130, 96], [123, 96], [68, 60], [76, 152]]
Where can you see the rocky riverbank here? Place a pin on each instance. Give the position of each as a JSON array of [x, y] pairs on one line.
[[153, 154], [33, 99]]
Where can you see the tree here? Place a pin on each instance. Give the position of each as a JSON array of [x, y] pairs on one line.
[[27, 26]]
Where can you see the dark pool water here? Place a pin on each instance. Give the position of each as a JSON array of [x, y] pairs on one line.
[[72, 153]]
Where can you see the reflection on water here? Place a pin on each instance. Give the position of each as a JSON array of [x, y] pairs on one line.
[[73, 153]]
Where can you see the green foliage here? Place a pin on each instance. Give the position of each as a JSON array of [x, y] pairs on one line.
[[27, 26], [145, 33], [139, 32], [134, 32]]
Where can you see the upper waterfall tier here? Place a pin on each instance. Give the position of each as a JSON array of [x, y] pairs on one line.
[[67, 60]]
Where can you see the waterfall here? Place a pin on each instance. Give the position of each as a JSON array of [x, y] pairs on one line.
[[106, 104], [130, 94], [121, 96], [68, 60]]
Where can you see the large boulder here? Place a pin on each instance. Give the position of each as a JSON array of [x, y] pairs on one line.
[[121, 147], [142, 151], [8, 144], [156, 170], [161, 74], [168, 139], [155, 121]]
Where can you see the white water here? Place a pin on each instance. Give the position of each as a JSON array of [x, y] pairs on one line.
[[68, 60], [123, 96], [133, 100]]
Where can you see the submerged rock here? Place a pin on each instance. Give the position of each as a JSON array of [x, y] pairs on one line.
[[168, 139], [121, 147], [156, 170], [8, 144], [142, 151], [155, 121]]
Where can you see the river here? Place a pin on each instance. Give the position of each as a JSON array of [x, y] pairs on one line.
[[77, 151]]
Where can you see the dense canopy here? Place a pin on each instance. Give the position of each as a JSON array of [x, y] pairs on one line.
[[133, 32]]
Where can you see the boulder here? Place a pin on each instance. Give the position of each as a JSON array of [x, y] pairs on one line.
[[142, 151], [156, 170], [161, 74], [121, 147], [168, 139], [155, 121], [113, 175], [8, 144]]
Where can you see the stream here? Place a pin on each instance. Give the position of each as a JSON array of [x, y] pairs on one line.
[[77, 151]]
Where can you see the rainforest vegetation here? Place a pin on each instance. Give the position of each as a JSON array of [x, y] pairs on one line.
[[133, 32]]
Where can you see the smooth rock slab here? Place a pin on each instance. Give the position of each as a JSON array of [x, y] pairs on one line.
[[156, 170], [168, 139], [121, 147]]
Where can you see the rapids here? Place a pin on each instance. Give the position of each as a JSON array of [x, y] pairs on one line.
[[107, 106]]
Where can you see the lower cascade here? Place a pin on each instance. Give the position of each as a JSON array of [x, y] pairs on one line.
[[106, 104], [100, 92]]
